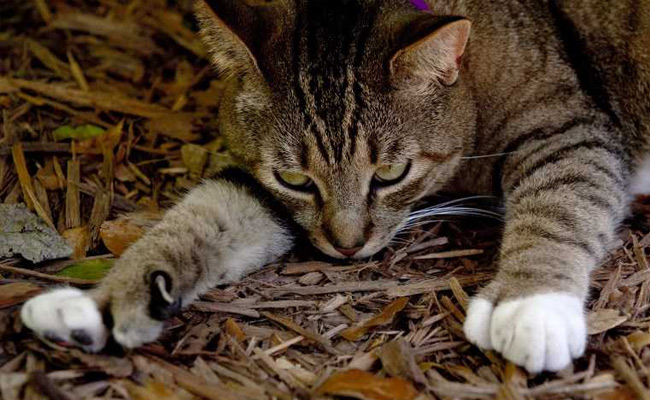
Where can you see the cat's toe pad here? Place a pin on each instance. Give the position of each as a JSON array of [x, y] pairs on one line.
[[66, 315], [540, 332]]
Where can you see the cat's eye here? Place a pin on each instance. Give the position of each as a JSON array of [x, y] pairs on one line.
[[391, 174], [294, 180]]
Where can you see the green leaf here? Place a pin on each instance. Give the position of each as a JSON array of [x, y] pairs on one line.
[[81, 132], [89, 269]]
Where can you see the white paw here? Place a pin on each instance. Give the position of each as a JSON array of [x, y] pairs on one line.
[[540, 332], [477, 323], [66, 315]]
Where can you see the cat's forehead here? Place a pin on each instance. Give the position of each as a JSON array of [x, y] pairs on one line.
[[366, 134], [330, 37]]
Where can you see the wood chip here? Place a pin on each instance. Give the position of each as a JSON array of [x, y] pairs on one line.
[[225, 308], [72, 196], [450, 254], [385, 317], [287, 323]]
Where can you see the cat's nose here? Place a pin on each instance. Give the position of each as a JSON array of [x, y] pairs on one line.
[[348, 251]]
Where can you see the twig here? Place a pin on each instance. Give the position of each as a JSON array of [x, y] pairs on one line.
[[323, 341], [450, 254], [53, 278]]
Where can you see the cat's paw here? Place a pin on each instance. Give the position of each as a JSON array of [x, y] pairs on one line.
[[66, 315], [539, 332], [73, 317]]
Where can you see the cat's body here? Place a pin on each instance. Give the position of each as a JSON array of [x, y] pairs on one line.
[[348, 112]]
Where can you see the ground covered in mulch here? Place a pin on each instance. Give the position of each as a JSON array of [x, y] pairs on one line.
[[107, 107]]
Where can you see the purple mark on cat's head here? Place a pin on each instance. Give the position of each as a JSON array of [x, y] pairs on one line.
[[420, 5]]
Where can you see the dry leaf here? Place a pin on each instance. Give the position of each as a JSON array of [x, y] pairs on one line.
[[194, 158], [118, 235], [48, 178], [11, 385], [151, 390], [619, 393], [385, 317], [639, 340], [366, 386], [174, 125], [79, 240], [98, 144], [603, 320], [123, 174], [211, 97], [17, 292], [114, 366], [398, 359], [233, 330]]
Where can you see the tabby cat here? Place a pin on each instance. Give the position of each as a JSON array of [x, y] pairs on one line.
[[345, 113]]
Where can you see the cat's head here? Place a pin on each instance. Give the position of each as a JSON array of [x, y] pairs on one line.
[[349, 111]]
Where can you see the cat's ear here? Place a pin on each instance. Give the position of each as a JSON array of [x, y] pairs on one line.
[[437, 55], [234, 32]]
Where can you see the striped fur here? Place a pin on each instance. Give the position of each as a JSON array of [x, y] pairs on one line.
[[551, 110]]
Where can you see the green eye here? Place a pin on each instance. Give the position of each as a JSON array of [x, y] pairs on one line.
[[294, 180], [390, 174]]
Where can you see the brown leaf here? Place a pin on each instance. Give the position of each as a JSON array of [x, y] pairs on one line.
[[17, 292], [113, 366], [366, 386], [398, 359], [603, 320], [619, 393], [118, 235], [211, 97], [639, 340], [151, 390], [79, 240], [385, 317], [98, 144], [176, 126], [234, 330], [48, 178], [194, 158]]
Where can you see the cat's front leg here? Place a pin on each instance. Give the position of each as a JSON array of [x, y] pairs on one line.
[[565, 196], [217, 234]]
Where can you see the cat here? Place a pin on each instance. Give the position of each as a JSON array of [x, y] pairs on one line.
[[345, 113]]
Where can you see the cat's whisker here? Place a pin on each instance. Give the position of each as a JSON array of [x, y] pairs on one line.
[[407, 228], [462, 199], [487, 155], [446, 204], [455, 211]]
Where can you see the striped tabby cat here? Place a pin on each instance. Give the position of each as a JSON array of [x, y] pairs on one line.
[[345, 113]]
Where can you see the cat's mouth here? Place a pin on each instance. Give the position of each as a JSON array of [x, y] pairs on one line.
[[373, 245]]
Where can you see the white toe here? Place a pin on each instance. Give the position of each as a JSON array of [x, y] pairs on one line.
[[527, 346], [501, 331], [477, 323], [67, 315], [557, 345]]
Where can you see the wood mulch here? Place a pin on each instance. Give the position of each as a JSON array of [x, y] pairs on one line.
[[132, 76]]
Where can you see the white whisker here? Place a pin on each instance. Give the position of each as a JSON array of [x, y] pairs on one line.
[[487, 155]]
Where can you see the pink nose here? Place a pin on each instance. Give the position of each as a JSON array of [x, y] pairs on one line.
[[348, 252]]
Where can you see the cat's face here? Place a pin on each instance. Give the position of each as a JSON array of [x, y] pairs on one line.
[[348, 131]]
